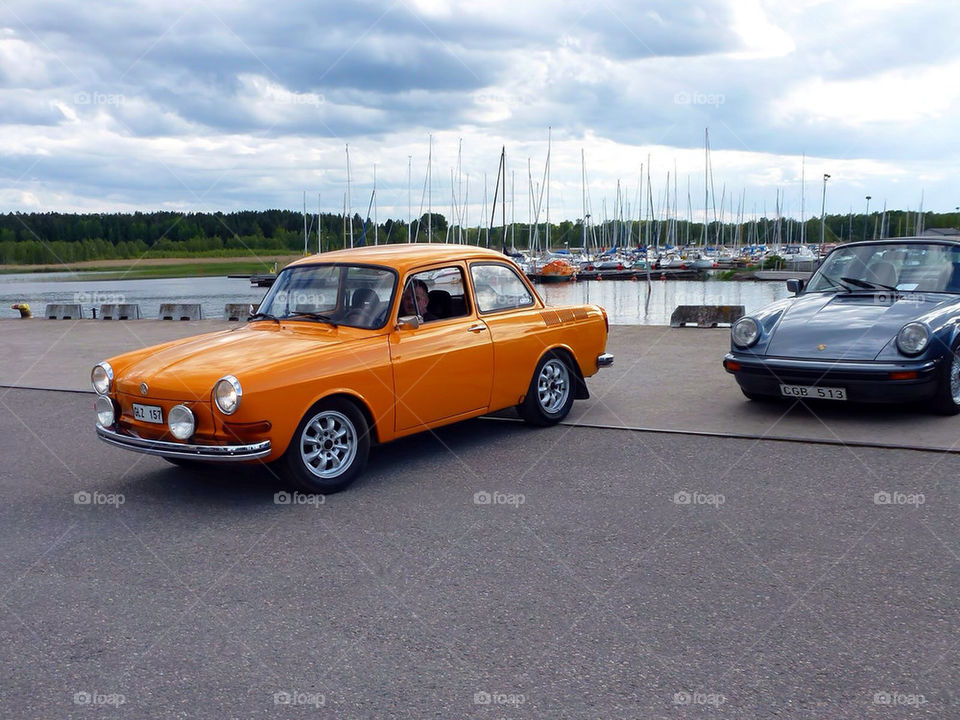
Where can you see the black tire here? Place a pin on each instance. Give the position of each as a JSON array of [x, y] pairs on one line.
[[947, 398], [550, 394], [335, 432]]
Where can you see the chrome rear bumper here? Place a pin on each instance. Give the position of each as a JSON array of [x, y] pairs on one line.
[[215, 453], [604, 360]]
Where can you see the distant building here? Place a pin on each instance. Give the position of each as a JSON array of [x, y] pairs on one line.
[[942, 232]]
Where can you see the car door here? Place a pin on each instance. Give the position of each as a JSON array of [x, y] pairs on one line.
[[443, 368]]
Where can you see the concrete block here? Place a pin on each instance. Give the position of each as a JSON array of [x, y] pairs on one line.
[[705, 315], [71, 311], [181, 311], [237, 311], [120, 311]]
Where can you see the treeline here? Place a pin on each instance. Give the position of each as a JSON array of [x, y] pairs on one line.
[[36, 238]]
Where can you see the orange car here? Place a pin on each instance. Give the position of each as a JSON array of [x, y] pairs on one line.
[[350, 348]]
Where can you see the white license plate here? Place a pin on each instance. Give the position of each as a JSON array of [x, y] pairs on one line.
[[148, 413], [814, 392]]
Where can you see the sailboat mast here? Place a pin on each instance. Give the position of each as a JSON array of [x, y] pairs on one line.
[[349, 209]]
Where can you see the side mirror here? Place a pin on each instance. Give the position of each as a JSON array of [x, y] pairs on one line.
[[795, 286], [408, 322]]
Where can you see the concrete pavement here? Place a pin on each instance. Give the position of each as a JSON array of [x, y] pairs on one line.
[[664, 378], [487, 570]]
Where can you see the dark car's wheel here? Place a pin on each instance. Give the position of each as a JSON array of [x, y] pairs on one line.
[[330, 447], [947, 401], [550, 395]]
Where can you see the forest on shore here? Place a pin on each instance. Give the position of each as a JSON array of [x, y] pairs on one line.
[[38, 238]]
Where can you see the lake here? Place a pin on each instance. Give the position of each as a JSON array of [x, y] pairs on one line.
[[626, 301]]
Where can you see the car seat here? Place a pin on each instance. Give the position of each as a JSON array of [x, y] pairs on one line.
[[440, 305]]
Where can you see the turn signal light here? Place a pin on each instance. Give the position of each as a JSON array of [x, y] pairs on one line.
[[731, 365], [903, 375]]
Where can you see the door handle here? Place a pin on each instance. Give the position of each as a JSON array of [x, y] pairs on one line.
[[479, 327]]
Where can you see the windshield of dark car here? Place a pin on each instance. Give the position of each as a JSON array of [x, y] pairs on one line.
[[905, 267], [352, 295]]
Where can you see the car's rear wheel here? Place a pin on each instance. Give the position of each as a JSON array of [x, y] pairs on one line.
[[947, 401], [330, 447], [550, 395]]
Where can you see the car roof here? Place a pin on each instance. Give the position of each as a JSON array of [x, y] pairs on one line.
[[404, 256], [921, 240]]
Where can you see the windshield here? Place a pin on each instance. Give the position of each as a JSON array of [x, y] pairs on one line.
[[906, 267], [352, 295]]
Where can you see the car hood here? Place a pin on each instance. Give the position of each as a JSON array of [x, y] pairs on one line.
[[855, 326], [188, 370]]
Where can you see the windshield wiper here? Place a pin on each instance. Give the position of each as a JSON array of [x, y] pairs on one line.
[[313, 316], [867, 285], [837, 284], [263, 316]]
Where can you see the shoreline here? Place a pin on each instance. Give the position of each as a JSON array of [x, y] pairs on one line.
[[147, 268]]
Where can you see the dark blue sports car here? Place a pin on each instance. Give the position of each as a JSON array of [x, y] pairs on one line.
[[877, 322]]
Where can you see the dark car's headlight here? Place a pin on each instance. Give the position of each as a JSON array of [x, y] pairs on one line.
[[745, 332], [913, 338], [101, 377], [227, 394]]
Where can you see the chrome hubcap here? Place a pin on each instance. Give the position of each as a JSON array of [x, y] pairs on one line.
[[553, 386], [955, 378], [328, 444]]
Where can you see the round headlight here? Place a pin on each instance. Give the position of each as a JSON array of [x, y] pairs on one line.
[[913, 338], [181, 422], [105, 411], [227, 393], [745, 332], [101, 377]]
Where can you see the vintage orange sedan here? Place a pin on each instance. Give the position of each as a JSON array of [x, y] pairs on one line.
[[352, 348]]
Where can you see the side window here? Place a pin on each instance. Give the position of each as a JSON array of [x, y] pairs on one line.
[[498, 287], [435, 295]]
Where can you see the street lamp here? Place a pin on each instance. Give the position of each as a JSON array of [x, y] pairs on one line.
[[823, 208], [865, 218]]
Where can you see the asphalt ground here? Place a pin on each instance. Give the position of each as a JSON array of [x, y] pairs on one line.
[[612, 574], [662, 379]]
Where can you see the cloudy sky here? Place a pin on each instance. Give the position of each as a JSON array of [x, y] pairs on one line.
[[230, 105]]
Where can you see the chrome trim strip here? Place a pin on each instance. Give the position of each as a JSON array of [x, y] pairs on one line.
[[162, 448], [604, 360], [780, 363]]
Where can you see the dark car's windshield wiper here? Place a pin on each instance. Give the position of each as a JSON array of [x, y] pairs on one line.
[[836, 284], [263, 316], [312, 316], [867, 285]]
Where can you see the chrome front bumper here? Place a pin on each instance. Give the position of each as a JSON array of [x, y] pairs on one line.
[[604, 360], [215, 453]]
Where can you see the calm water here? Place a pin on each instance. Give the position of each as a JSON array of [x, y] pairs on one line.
[[626, 301]]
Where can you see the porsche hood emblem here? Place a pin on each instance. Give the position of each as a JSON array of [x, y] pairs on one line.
[[821, 347]]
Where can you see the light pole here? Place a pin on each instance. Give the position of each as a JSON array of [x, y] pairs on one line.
[[823, 208], [865, 218]]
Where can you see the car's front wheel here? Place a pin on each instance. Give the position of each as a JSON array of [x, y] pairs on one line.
[[550, 395], [330, 447], [947, 400]]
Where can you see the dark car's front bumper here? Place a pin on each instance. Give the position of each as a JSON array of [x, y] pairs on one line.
[[863, 381], [183, 451]]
